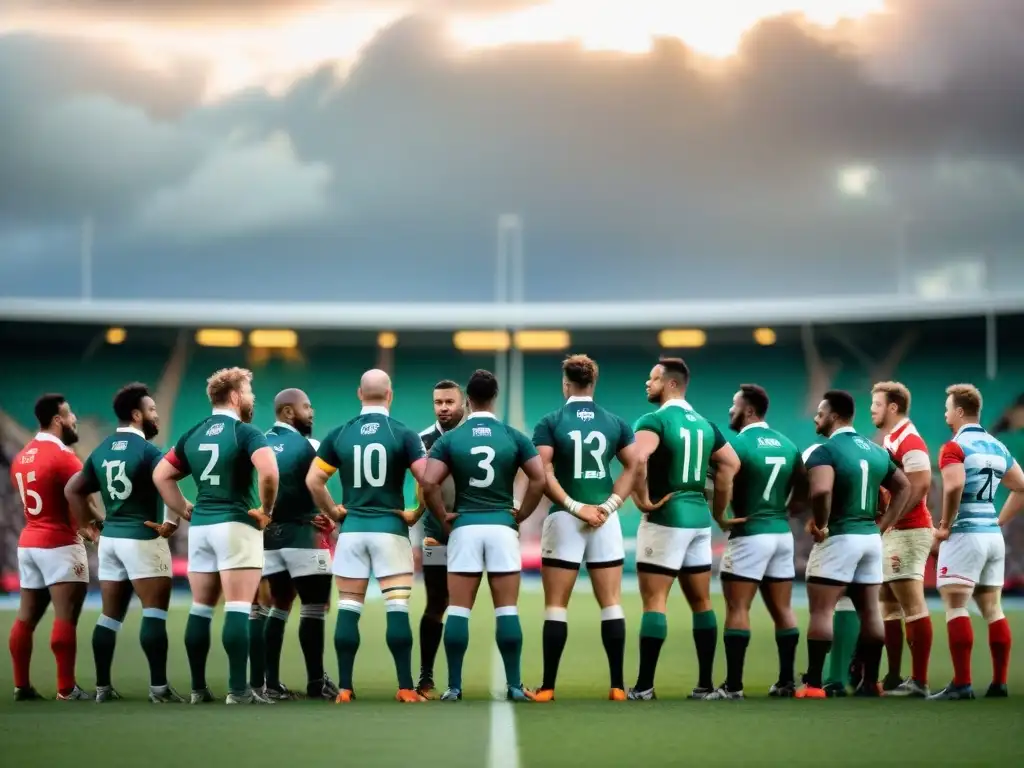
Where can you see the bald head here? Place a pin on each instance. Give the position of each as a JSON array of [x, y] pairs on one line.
[[375, 388], [292, 407]]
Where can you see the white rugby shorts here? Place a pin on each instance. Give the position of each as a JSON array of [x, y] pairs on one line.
[[972, 559], [478, 548], [905, 554], [224, 547], [358, 555], [760, 556], [297, 562], [570, 540], [673, 549], [130, 559], [39, 568], [848, 558], [434, 553]]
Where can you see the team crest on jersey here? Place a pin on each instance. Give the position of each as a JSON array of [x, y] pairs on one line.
[[215, 429], [768, 442], [862, 443], [481, 431], [369, 429], [691, 417], [120, 445], [585, 415], [278, 449]]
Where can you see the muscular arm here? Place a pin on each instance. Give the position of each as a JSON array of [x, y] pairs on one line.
[[533, 468], [629, 457], [1014, 482], [265, 463], [316, 482], [897, 484], [798, 496], [820, 481], [77, 492], [647, 443], [165, 478], [434, 474], [727, 464], [954, 477]]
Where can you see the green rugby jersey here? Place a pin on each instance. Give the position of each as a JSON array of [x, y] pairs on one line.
[[217, 452], [121, 471], [294, 510], [760, 491], [484, 456], [860, 469], [585, 438], [679, 465], [371, 454]]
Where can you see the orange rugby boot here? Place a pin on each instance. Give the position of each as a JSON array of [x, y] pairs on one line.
[[810, 692], [616, 694], [544, 694], [408, 696], [345, 696]]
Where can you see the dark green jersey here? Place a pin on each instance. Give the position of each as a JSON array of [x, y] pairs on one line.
[[294, 510], [484, 455], [431, 528], [860, 469], [768, 460], [679, 465], [585, 438], [121, 470], [371, 454], [217, 452]]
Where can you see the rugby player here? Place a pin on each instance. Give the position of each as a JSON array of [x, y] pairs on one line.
[[760, 551], [52, 564], [133, 552], [483, 457], [676, 445], [972, 553], [906, 547], [224, 454], [449, 412], [844, 476], [297, 559], [577, 444], [371, 454]]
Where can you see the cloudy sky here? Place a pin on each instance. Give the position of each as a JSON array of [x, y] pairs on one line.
[[365, 148]]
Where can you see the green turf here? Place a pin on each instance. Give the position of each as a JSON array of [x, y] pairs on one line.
[[578, 729]]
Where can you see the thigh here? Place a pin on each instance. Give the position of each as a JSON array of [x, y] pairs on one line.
[[465, 553], [68, 598], [462, 588], [993, 572], [604, 546], [205, 587], [435, 583], [32, 605], [607, 584], [960, 561], [115, 597], [390, 555], [660, 549], [654, 590], [501, 551], [563, 540], [312, 590], [869, 563], [153, 592], [111, 567], [241, 584], [351, 557], [504, 588]]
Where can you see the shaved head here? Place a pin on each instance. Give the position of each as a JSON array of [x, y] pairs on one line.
[[375, 387], [289, 397], [292, 407]]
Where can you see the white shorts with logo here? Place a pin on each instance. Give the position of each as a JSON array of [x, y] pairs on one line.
[[848, 558], [130, 559], [905, 554], [972, 559], [569, 539], [358, 555], [434, 554], [673, 549], [224, 547], [39, 568], [297, 562], [760, 556], [479, 548]]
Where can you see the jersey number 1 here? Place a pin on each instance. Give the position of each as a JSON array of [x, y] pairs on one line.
[[684, 433]]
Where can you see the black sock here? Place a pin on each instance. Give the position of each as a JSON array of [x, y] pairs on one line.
[[736, 642], [786, 642], [613, 637], [817, 650], [869, 653], [431, 632], [555, 633], [650, 649], [705, 640]]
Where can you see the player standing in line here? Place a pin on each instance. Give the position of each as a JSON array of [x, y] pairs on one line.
[[372, 454], [906, 547], [224, 454], [972, 553], [844, 476], [449, 413], [52, 563], [676, 446], [577, 444], [483, 456], [760, 552], [296, 557], [133, 552]]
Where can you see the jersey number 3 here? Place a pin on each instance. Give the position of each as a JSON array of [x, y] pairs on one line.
[[485, 464]]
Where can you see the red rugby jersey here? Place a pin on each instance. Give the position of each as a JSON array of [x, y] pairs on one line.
[[911, 453], [39, 473]]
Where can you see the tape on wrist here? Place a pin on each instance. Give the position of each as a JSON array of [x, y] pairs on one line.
[[572, 506], [612, 504]]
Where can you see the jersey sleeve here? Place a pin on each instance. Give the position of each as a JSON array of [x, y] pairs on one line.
[[525, 448], [414, 449], [719, 439], [649, 422], [250, 439], [626, 436], [440, 450], [818, 456], [92, 483], [543, 434], [913, 455], [951, 453], [151, 456], [176, 456], [327, 458]]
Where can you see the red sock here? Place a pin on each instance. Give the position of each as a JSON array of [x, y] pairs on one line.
[[20, 643], [999, 646], [961, 643], [64, 644], [894, 645], [919, 638]]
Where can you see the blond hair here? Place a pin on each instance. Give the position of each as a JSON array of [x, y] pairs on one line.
[[895, 394], [967, 397], [225, 381]]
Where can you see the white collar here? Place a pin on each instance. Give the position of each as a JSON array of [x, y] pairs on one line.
[[580, 399], [482, 415], [755, 425], [282, 425], [133, 430], [377, 409], [974, 425], [46, 437], [841, 430], [899, 425], [231, 414], [676, 402]]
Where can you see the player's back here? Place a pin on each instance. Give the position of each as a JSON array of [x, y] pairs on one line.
[[985, 461], [860, 468], [122, 466], [585, 438], [294, 508], [39, 472], [761, 488]]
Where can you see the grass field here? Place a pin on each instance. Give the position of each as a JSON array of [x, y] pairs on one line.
[[580, 728]]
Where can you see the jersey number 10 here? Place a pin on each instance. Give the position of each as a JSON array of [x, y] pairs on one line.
[[363, 465]]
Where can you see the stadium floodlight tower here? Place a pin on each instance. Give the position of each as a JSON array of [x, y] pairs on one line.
[[509, 288]]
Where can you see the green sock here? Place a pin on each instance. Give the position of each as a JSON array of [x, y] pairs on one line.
[[705, 640], [736, 642], [257, 647], [346, 640], [153, 639], [845, 631], [508, 633], [456, 641], [104, 639], [653, 631], [786, 642], [273, 643], [235, 637], [398, 636], [197, 642]]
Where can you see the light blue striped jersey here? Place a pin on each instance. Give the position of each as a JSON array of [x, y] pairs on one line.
[[985, 461]]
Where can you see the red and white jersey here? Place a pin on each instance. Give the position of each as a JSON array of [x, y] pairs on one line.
[[40, 472], [911, 453]]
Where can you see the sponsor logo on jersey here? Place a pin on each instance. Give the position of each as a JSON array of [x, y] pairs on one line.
[[481, 431], [768, 442], [862, 443], [215, 429], [369, 429], [585, 415], [690, 417], [29, 457], [120, 445]]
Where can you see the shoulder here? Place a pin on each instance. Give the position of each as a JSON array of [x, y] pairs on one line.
[[951, 453], [817, 450], [650, 422]]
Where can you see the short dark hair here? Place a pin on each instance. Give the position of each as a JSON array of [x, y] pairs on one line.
[[482, 387], [447, 384], [756, 397], [676, 368], [841, 403], [580, 370], [128, 399], [47, 407]]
